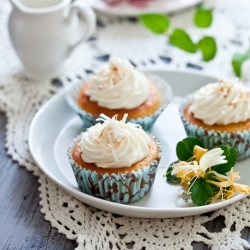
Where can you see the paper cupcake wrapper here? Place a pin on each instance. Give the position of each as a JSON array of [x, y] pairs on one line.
[[239, 140], [122, 188], [146, 122]]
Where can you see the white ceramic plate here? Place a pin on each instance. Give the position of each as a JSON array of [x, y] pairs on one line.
[[154, 6], [55, 125]]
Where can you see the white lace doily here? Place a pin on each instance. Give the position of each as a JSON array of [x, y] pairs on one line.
[[21, 97]]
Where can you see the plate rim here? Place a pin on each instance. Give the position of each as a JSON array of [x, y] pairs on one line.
[[135, 11], [90, 200]]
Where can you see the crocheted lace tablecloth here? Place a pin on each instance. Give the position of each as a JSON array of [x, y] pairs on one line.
[[21, 97]]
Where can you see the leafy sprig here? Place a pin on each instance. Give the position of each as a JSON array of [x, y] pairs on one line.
[[179, 38], [203, 17], [182, 40], [185, 148], [203, 172], [238, 60], [157, 23]]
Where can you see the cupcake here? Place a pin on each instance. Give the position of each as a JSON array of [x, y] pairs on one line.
[[117, 89], [115, 160], [219, 114]]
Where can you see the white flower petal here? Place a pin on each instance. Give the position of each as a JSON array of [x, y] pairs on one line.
[[211, 158], [186, 167], [226, 177]]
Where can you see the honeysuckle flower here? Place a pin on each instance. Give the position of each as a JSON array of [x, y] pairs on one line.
[[209, 159], [241, 188], [197, 172], [223, 180], [198, 152], [223, 194], [185, 175], [227, 185]]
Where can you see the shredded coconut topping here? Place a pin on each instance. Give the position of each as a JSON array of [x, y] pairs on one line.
[[224, 102], [113, 143], [119, 85], [110, 75]]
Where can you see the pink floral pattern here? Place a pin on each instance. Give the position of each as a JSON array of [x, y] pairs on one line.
[[136, 3]]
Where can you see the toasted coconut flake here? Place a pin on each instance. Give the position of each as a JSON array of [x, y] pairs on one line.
[[112, 130], [125, 116]]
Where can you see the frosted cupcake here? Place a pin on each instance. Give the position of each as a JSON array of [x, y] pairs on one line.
[[117, 89], [219, 114], [115, 160]]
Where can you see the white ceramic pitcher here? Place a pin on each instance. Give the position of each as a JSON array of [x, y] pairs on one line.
[[43, 32]]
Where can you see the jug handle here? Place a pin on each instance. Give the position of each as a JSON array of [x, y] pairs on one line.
[[87, 18]]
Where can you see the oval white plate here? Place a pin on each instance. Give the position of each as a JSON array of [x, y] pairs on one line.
[[55, 125], [154, 6]]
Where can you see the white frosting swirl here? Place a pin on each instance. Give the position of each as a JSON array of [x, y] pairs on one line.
[[114, 144], [119, 85], [222, 103]]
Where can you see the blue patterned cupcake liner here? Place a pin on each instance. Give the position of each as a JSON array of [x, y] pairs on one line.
[[239, 140], [122, 188], [146, 122]]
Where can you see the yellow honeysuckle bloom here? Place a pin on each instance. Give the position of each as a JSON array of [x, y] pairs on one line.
[[227, 181], [241, 188], [223, 194], [211, 158], [198, 152], [191, 170], [229, 194]]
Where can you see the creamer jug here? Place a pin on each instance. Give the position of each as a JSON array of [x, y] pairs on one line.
[[43, 32]]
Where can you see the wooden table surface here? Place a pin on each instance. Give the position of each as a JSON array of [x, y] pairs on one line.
[[22, 225]]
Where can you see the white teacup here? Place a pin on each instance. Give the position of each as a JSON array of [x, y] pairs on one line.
[[42, 32]]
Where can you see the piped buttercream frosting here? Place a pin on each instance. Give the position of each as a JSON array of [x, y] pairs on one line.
[[119, 86], [113, 143], [222, 103]]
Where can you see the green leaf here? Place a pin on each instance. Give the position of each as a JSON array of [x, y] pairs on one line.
[[182, 40], [203, 17], [237, 62], [231, 156], [201, 191], [215, 189], [184, 148], [169, 177], [208, 47], [157, 23]]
